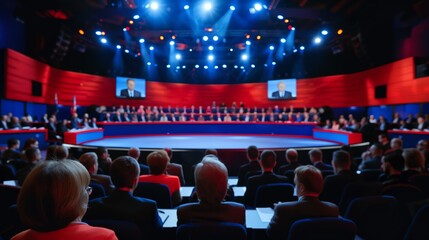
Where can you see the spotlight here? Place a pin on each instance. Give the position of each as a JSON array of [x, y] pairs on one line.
[[208, 6], [124, 29], [293, 28], [205, 38], [118, 46], [244, 57], [135, 17], [211, 57], [161, 38], [131, 22], [154, 5], [98, 33], [178, 56], [211, 48], [231, 50], [197, 66], [103, 40], [149, 63], [141, 40], [280, 17], [127, 51], [183, 66], [295, 50], [224, 66], [302, 48], [258, 7], [248, 43], [258, 37], [168, 66], [271, 47], [178, 67], [273, 63], [340, 31], [215, 38], [317, 40], [216, 67], [283, 40], [232, 8], [151, 48], [252, 66], [242, 67], [324, 32], [171, 43], [186, 7], [206, 67], [81, 32], [190, 50], [235, 66]]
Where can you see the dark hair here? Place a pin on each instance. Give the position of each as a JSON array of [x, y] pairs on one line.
[[395, 159], [100, 151], [29, 142], [252, 152], [12, 142], [157, 162], [341, 158], [31, 153], [211, 151], [124, 170], [268, 159]]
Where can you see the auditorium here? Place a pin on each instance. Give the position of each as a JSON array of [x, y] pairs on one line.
[[204, 119]]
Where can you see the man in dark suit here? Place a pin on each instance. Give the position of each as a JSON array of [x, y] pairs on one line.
[[122, 205], [334, 185], [308, 185], [251, 167], [211, 181], [281, 92], [316, 157], [90, 161], [371, 159], [292, 159], [174, 168], [130, 91], [268, 162], [12, 152], [134, 152], [3, 122]]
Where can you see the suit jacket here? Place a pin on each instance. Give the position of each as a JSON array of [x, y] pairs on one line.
[[333, 185], [252, 166], [10, 154], [285, 214], [323, 166], [104, 180], [256, 181], [199, 212], [176, 170], [3, 125], [124, 93], [373, 163], [287, 167], [286, 95], [122, 205]]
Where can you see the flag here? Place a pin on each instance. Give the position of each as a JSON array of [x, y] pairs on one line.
[[74, 106]]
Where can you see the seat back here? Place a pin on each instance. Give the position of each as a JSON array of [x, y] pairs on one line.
[[268, 194], [358, 189], [7, 172], [124, 230], [418, 229], [97, 190], [404, 192], [155, 191], [371, 175], [325, 228], [8, 196], [421, 181], [211, 231], [373, 216]]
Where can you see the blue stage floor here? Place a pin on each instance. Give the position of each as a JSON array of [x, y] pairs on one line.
[[209, 141]]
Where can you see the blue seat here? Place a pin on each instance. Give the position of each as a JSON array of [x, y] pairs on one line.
[[211, 231], [124, 230], [325, 228], [7, 172], [97, 190], [268, 194], [358, 189], [418, 229], [155, 191], [374, 216]]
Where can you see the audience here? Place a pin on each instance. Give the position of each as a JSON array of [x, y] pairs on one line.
[[211, 181], [316, 157], [414, 163], [12, 151], [251, 167], [134, 152], [371, 159], [292, 159], [33, 157], [423, 147], [268, 162], [61, 153], [308, 185], [52, 202], [122, 205], [392, 165], [384, 141], [395, 145], [90, 161], [104, 160], [50, 152], [157, 162], [174, 168]]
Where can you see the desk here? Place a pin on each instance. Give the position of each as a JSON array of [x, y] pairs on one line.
[[340, 136], [81, 136], [410, 138], [22, 135]]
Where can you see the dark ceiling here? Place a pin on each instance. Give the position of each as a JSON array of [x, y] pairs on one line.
[[53, 33]]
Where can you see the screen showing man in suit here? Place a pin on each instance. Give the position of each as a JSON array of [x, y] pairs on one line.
[[282, 89], [130, 87]]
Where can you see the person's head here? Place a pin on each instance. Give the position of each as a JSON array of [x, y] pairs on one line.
[[169, 152], [341, 161], [281, 86], [211, 180], [31, 142], [268, 160], [157, 162], [308, 180], [420, 120], [316, 155], [54, 194], [252, 153], [392, 163], [125, 171], [90, 161], [291, 155], [414, 159], [13, 143], [376, 149], [131, 84], [50, 152], [61, 153], [421, 145], [33, 155], [396, 143], [382, 138], [134, 152], [211, 151], [102, 153]]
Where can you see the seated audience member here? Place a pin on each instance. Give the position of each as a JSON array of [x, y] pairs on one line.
[[157, 162], [52, 202], [90, 161], [104, 161], [268, 162], [414, 163], [392, 164], [33, 157], [292, 159], [134, 152], [384, 141], [3, 122], [122, 205], [395, 145], [61, 153], [210, 151], [174, 168], [12, 151], [333, 185], [50, 152], [371, 159], [421, 124], [308, 185], [316, 157], [211, 180], [423, 147], [252, 166]]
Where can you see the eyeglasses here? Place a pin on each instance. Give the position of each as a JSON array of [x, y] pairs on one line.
[[89, 190]]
